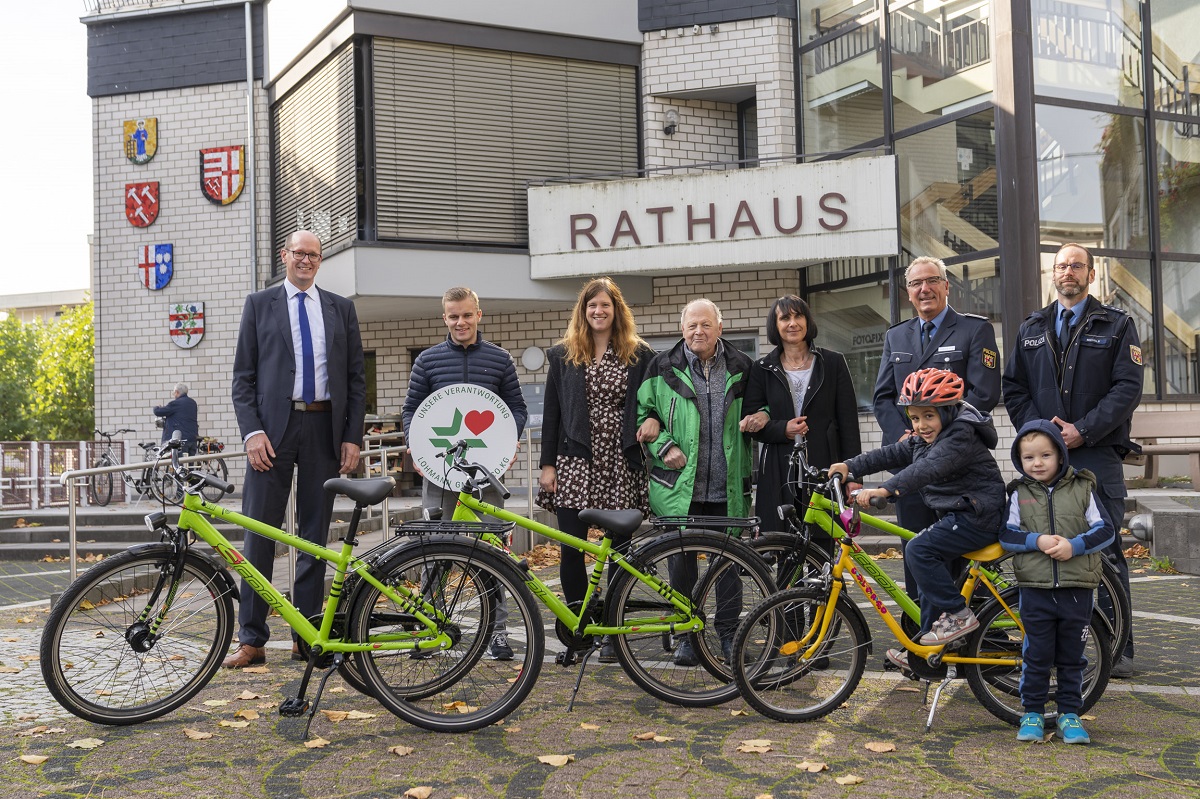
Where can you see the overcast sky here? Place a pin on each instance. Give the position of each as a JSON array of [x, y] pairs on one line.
[[47, 148]]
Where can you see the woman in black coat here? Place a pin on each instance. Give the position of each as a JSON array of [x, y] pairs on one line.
[[826, 414]]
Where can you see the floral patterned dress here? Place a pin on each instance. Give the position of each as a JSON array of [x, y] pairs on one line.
[[605, 482]]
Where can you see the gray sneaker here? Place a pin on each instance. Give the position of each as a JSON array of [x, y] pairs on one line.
[[1123, 668], [499, 649], [950, 628]]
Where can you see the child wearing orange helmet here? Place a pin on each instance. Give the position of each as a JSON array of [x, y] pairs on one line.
[[948, 459]]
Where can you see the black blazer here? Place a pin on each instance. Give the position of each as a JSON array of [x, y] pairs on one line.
[[264, 367], [832, 412], [565, 426]]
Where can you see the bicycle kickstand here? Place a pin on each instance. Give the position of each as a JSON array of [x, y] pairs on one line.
[[583, 661], [937, 695], [312, 711]]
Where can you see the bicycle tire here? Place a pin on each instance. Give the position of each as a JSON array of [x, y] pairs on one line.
[[1119, 623], [454, 689], [998, 687], [218, 469], [100, 486], [771, 672], [88, 650], [649, 658], [775, 548]]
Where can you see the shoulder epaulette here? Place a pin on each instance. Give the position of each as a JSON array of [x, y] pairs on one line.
[[974, 316], [1114, 308], [904, 322]]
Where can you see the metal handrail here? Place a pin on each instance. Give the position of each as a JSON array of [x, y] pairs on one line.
[[66, 477]]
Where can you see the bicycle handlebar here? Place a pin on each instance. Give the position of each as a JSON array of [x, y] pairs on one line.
[[175, 444], [456, 457]]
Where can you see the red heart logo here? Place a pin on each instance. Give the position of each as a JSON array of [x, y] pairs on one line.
[[478, 421]]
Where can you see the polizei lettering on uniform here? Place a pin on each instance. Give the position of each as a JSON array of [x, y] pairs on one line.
[[701, 222]]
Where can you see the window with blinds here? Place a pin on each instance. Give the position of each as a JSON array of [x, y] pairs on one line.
[[313, 153], [458, 131]]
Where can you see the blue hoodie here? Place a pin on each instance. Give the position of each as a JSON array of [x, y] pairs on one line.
[[1081, 520]]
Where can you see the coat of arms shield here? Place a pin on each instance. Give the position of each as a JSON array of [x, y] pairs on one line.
[[156, 263], [141, 203], [222, 173], [185, 320], [140, 139]]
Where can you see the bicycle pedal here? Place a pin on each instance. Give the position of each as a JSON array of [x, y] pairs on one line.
[[566, 658], [294, 707]]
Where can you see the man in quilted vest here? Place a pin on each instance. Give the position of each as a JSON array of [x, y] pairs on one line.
[[1058, 528]]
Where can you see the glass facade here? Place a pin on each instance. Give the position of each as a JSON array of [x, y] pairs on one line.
[[1115, 116]]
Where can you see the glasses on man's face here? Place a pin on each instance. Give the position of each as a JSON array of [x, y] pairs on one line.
[[1075, 267], [926, 281], [301, 255]]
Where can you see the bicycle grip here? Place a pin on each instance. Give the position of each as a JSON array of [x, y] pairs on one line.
[[879, 503], [215, 482]]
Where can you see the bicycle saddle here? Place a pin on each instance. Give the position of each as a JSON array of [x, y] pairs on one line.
[[621, 522], [364, 491]]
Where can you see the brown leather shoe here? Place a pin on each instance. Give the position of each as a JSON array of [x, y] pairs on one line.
[[245, 655], [296, 653]]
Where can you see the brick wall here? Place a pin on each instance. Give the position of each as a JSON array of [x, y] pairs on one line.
[[136, 363]]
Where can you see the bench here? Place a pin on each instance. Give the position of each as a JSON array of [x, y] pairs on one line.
[[1150, 424]]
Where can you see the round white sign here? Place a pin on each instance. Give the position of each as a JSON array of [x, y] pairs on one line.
[[462, 412]]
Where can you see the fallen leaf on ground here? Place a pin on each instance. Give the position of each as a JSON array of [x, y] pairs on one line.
[[316, 743], [248, 715], [662, 739], [237, 725], [41, 728], [556, 760], [812, 766], [85, 743], [586, 726], [24, 620], [889, 554], [337, 689], [196, 735], [419, 792], [358, 715], [256, 670], [739, 713], [514, 729], [754, 750], [880, 746], [764, 796], [758, 742], [335, 715], [400, 751], [246, 696], [9, 670], [1088, 717], [849, 779], [12, 640], [104, 692], [644, 736], [34, 760], [216, 702], [1138, 571], [908, 689]]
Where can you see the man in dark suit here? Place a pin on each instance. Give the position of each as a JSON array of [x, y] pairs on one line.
[[938, 337], [180, 414], [299, 390]]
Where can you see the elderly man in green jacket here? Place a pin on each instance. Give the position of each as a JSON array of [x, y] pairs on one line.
[[700, 461]]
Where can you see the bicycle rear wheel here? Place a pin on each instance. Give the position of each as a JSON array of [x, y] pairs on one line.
[[217, 469], [456, 689], [100, 486], [729, 578], [774, 676], [781, 552], [998, 688], [103, 663]]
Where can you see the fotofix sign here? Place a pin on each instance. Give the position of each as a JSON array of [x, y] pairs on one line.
[[771, 215]]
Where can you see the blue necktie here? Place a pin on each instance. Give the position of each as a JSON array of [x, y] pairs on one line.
[[1064, 330], [306, 344], [926, 335]]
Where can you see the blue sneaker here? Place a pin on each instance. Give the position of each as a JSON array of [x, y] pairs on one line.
[[1033, 728], [1071, 730]]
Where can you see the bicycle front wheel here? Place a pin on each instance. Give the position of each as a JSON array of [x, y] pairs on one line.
[[781, 552], [106, 655], [786, 669], [217, 469], [722, 575], [100, 486], [480, 601], [998, 688]]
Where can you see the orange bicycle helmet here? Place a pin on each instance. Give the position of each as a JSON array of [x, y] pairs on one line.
[[931, 388]]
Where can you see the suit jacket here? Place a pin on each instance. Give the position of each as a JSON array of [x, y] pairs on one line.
[[264, 367], [180, 414], [965, 344]]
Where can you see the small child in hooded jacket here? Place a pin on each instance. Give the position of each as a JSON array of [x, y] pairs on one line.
[[1058, 530]]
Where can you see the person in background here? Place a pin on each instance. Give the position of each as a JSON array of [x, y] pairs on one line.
[[1078, 363], [591, 457], [181, 414], [797, 392]]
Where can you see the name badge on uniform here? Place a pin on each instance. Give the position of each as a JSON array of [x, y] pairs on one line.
[[946, 349]]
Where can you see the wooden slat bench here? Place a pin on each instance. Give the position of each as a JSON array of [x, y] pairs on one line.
[[1149, 425]]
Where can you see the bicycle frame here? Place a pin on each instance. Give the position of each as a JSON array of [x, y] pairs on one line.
[[821, 511], [685, 621], [344, 562]]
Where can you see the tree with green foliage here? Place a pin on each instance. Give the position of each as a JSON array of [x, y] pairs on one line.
[[18, 358], [63, 389]]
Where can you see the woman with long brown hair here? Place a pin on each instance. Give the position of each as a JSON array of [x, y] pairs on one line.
[[590, 452]]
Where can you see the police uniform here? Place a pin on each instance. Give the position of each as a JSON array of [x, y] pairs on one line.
[[964, 344], [1095, 384]]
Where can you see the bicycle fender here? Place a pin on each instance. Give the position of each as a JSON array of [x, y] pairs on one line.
[[199, 559]]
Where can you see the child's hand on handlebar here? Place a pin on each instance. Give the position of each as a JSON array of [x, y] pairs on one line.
[[865, 495], [839, 468]]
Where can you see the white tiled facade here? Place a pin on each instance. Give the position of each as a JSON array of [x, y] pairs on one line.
[[136, 363]]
